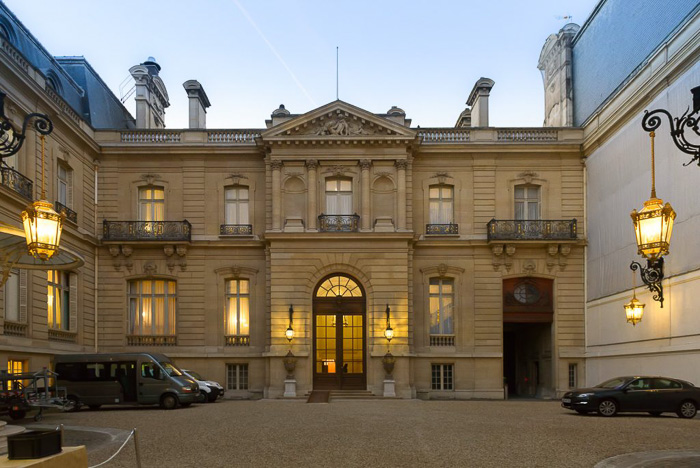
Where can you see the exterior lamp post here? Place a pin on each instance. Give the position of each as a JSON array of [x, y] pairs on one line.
[[10, 139], [689, 120], [389, 361], [653, 226], [290, 362]]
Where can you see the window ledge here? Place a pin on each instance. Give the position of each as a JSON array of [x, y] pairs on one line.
[[62, 335]]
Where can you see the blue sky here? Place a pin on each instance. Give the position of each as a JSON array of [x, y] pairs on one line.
[[252, 56]]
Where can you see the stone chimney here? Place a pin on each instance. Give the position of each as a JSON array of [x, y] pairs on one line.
[[397, 115], [151, 96], [198, 103], [555, 65], [479, 102]]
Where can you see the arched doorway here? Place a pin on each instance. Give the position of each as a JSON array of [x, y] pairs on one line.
[[339, 334]]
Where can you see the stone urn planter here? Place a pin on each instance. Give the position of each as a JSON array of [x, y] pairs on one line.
[[388, 361], [290, 364]]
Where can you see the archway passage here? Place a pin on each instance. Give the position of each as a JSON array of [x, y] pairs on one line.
[[339, 335], [527, 337]]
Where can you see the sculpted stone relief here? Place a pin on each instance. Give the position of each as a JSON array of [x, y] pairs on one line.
[[340, 126]]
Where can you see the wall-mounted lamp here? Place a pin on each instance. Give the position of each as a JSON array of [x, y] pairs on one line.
[[290, 331], [653, 226], [388, 332], [689, 120]]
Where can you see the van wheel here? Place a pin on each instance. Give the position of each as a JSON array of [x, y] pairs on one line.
[[73, 404], [17, 414], [168, 401]]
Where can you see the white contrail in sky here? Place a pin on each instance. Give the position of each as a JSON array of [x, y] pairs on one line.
[[274, 51]]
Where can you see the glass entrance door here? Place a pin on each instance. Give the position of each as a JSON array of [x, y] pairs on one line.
[[339, 335]]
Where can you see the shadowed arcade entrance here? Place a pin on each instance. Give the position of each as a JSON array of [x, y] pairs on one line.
[[339, 335]]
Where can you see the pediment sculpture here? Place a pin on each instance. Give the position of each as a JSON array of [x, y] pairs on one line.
[[340, 126]]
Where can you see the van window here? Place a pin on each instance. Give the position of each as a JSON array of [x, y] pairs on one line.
[[149, 370], [96, 371], [170, 369]]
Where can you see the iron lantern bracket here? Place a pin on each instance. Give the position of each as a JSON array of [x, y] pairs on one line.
[[689, 120], [10, 139], [652, 276]]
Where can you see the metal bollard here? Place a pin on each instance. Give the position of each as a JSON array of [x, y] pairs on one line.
[[62, 435], [136, 448]]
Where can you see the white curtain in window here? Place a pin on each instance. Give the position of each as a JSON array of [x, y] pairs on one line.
[[441, 204], [527, 202], [12, 297], [151, 204], [441, 294], [339, 197], [238, 307], [152, 306], [236, 205]]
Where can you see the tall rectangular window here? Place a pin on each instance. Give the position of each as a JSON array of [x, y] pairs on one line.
[[58, 299], [339, 196], [15, 366], [441, 204], [441, 377], [64, 186], [236, 205], [11, 304], [573, 375], [151, 204], [527, 202], [441, 306], [237, 376], [152, 306], [238, 307]]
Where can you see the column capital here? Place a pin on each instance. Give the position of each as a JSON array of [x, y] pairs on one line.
[[311, 163], [365, 164], [401, 164], [276, 164]]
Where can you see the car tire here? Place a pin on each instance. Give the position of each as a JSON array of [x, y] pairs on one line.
[[211, 398], [656, 414], [73, 404], [17, 414], [203, 397], [607, 408], [687, 410], [583, 412], [169, 401]]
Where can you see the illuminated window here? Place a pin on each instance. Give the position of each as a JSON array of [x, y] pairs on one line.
[[527, 202], [58, 299], [338, 196], [237, 376], [442, 377], [152, 306], [236, 205], [441, 306], [238, 307], [151, 204], [339, 286], [441, 204], [15, 366]]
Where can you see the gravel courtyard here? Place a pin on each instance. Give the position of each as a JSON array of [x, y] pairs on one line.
[[374, 433]]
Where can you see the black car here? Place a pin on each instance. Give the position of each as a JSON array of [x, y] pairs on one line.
[[654, 395]]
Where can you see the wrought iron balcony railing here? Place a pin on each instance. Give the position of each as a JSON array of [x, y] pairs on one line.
[[338, 223], [442, 228], [17, 182], [151, 340], [541, 229], [70, 214], [147, 230], [236, 230], [237, 340]]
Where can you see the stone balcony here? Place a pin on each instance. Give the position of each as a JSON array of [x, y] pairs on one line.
[[16, 182], [526, 230], [136, 231]]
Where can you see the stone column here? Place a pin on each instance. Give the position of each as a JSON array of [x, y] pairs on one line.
[[312, 217], [365, 164], [401, 194], [276, 166]]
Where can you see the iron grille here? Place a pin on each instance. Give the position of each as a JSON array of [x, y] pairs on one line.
[[151, 340], [147, 230], [442, 228], [237, 340], [546, 229], [236, 230], [338, 223]]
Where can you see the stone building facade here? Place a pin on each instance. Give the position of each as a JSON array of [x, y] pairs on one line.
[[199, 243]]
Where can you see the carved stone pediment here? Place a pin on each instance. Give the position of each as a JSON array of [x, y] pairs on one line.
[[338, 120]]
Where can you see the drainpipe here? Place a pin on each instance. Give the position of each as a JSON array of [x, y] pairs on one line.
[[585, 270], [97, 267]]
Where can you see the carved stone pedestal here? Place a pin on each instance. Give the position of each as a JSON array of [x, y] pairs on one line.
[[290, 388], [389, 388]]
